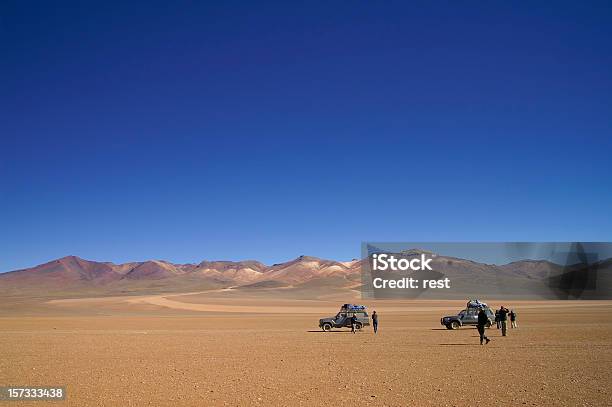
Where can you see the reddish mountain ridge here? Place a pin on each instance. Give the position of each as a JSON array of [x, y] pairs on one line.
[[72, 274]]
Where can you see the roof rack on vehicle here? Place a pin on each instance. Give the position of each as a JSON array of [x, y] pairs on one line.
[[476, 304], [353, 307]]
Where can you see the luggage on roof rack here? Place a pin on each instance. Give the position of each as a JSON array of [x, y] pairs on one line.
[[352, 307], [476, 304]]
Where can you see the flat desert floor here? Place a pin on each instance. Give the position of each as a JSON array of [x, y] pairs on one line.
[[248, 350]]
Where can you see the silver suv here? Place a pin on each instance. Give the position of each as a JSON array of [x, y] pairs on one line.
[[343, 318], [468, 316]]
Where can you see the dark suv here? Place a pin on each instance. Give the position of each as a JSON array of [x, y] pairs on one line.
[[343, 320], [468, 316]]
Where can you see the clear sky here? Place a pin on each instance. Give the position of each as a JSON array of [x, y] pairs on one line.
[[232, 130]]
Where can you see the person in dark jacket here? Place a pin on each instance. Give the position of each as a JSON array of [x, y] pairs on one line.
[[497, 319], [503, 317], [353, 323], [375, 321], [512, 315], [483, 320]]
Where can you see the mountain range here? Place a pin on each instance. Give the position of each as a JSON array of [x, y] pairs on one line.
[[74, 274], [71, 275]]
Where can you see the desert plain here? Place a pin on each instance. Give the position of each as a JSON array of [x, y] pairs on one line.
[[222, 348]]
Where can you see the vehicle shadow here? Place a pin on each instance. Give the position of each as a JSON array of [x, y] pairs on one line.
[[458, 344], [330, 332]]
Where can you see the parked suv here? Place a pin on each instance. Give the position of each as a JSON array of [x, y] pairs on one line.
[[468, 316], [343, 318]]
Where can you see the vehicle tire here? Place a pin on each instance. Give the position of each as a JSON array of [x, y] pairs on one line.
[[327, 327], [358, 326], [455, 325], [448, 326]]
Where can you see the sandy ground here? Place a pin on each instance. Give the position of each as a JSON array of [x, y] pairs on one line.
[[211, 349]]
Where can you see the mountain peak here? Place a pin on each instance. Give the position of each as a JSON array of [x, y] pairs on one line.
[[307, 258], [70, 258], [417, 252]]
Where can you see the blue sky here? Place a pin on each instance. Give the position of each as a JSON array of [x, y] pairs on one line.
[[235, 130]]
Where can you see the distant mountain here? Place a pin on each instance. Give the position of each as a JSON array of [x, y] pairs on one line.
[[533, 269], [306, 268], [524, 279], [237, 272], [72, 274], [65, 271]]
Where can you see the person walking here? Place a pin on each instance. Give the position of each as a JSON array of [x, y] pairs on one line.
[[353, 323], [503, 317], [513, 323], [375, 321], [483, 320]]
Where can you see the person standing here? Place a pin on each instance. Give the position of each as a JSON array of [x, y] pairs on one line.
[[497, 319], [483, 320], [353, 323], [503, 317], [375, 321], [513, 323]]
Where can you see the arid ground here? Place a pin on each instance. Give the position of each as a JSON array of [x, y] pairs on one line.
[[224, 348]]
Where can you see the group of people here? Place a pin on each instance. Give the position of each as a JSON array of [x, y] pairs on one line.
[[501, 318]]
